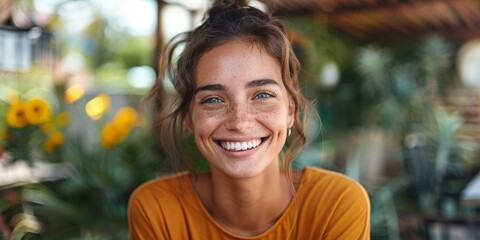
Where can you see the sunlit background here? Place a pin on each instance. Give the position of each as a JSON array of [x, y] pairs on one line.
[[396, 84]]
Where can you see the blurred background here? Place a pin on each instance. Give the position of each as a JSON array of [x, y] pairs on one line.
[[396, 83]]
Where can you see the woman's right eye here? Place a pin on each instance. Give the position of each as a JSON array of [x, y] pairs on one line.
[[211, 100]]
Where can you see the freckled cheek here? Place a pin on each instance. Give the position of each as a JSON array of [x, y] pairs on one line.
[[206, 121], [272, 112], [274, 118]]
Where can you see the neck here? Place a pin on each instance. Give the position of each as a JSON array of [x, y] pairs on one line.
[[247, 206]]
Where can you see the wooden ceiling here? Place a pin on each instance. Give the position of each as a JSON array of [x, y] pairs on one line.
[[391, 19]]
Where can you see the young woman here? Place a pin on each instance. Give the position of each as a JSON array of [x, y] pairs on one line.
[[237, 96]]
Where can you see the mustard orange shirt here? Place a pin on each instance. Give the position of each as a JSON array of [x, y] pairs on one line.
[[328, 206]]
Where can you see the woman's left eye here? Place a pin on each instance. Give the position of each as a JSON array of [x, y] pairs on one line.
[[264, 95]]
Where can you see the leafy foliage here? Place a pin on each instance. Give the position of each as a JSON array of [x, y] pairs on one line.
[[408, 97], [92, 201]]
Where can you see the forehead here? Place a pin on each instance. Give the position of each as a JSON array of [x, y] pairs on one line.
[[237, 60]]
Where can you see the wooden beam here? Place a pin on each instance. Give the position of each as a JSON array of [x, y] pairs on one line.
[[411, 18], [393, 21], [444, 12], [462, 34], [424, 11], [468, 11], [369, 19]]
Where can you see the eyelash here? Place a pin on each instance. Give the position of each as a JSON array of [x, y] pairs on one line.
[[214, 100], [210, 100], [268, 95]]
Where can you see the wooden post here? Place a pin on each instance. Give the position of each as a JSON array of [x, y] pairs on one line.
[[5, 11], [159, 38]]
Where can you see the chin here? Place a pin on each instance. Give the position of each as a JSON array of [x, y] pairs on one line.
[[245, 169]]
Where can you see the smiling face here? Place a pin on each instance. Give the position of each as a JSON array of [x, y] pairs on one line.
[[241, 111]]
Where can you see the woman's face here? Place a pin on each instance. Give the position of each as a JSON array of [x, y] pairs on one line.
[[241, 111]]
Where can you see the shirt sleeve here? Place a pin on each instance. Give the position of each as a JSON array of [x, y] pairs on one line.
[[351, 218], [142, 225]]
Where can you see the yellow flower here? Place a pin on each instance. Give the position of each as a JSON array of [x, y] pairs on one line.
[[125, 118], [57, 138], [48, 146], [16, 115], [53, 141], [117, 130], [62, 119], [47, 127], [37, 111], [110, 136]]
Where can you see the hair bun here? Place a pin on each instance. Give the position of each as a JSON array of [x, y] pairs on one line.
[[222, 5]]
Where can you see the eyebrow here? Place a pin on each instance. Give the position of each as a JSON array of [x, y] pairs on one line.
[[211, 87], [251, 84], [261, 82]]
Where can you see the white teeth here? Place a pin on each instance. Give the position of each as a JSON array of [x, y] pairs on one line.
[[238, 146], [244, 146]]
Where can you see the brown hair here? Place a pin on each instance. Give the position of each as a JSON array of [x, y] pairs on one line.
[[225, 21]]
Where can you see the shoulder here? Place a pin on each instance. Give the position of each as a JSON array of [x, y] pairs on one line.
[[333, 189], [164, 188], [332, 182], [337, 204], [155, 201]]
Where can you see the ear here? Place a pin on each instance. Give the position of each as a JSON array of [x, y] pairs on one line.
[[291, 113], [188, 123]]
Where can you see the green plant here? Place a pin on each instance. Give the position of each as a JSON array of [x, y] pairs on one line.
[[407, 102], [91, 201], [97, 174]]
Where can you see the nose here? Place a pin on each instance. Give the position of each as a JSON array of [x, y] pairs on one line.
[[239, 117]]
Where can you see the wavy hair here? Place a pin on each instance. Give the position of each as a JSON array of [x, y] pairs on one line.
[[225, 21]]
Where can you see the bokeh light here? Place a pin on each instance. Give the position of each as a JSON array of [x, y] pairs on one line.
[[141, 77], [74, 93], [99, 105]]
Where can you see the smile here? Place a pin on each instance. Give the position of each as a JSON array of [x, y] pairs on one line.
[[240, 146]]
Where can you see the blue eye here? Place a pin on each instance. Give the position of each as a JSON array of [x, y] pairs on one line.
[[263, 95], [211, 100]]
